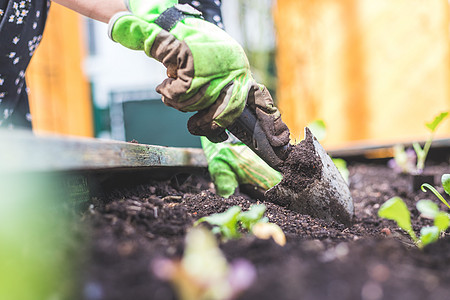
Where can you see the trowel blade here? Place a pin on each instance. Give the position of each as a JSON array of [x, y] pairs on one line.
[[312, 184]]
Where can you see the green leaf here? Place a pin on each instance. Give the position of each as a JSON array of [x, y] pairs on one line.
[[442, 221], [429, 234], [318, 129], [395, 209], [252, 216], [427, 208], [226, 221], [437, 120], [445, 179], [219, 219], [434, 191]]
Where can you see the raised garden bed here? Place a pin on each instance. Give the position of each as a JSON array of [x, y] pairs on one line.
[[130, 227]]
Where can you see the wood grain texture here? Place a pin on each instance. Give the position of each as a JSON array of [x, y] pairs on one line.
[[23, 151]]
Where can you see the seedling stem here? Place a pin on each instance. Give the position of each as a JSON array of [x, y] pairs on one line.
[[435, 192], [422, 153]]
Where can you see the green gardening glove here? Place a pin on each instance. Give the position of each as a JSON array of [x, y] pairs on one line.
[[233, 164], [208, 70]]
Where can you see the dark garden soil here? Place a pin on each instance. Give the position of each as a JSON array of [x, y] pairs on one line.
[[372, 259]]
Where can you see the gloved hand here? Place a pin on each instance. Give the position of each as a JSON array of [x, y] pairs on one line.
[[208, 70], [234, 164]]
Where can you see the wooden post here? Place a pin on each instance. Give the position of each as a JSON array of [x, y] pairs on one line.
[[374, 70], [60, 99]]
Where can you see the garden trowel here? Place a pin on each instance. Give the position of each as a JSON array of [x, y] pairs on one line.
[[311, 182]]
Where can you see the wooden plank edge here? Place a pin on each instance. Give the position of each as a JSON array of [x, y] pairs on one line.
[[22, 151]]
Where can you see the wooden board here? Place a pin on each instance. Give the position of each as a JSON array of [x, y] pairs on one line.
[[25, 152]]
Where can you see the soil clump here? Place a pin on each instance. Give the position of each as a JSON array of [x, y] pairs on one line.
[[302, 166]]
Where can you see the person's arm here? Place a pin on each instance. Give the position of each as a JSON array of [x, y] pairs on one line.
[[100, 10]]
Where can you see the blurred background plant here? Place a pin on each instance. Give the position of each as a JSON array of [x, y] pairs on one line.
[[37, 256], [412, 160], [203, 272]]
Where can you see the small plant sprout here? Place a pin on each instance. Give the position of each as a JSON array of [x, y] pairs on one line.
[[423, 152], [396, 209], [445, 179], [203, 272], [224, 224], [253, 216], [430, 210], [230, 223]]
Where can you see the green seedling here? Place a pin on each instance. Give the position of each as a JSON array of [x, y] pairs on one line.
[[429, 209], [203, 273], [224, 224], [422, 153], [445, 179], [395, 209], [254, 215], [230, 223]]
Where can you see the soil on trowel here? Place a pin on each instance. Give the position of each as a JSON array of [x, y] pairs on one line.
[[301, 168], [371, 260]]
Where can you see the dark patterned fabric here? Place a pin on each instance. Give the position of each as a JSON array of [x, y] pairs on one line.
[[211, 10], [21, 27]]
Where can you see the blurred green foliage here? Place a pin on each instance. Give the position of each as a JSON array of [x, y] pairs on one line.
[[35, 239]]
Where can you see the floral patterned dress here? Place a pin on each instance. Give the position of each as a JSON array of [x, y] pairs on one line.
[[21, 26]]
